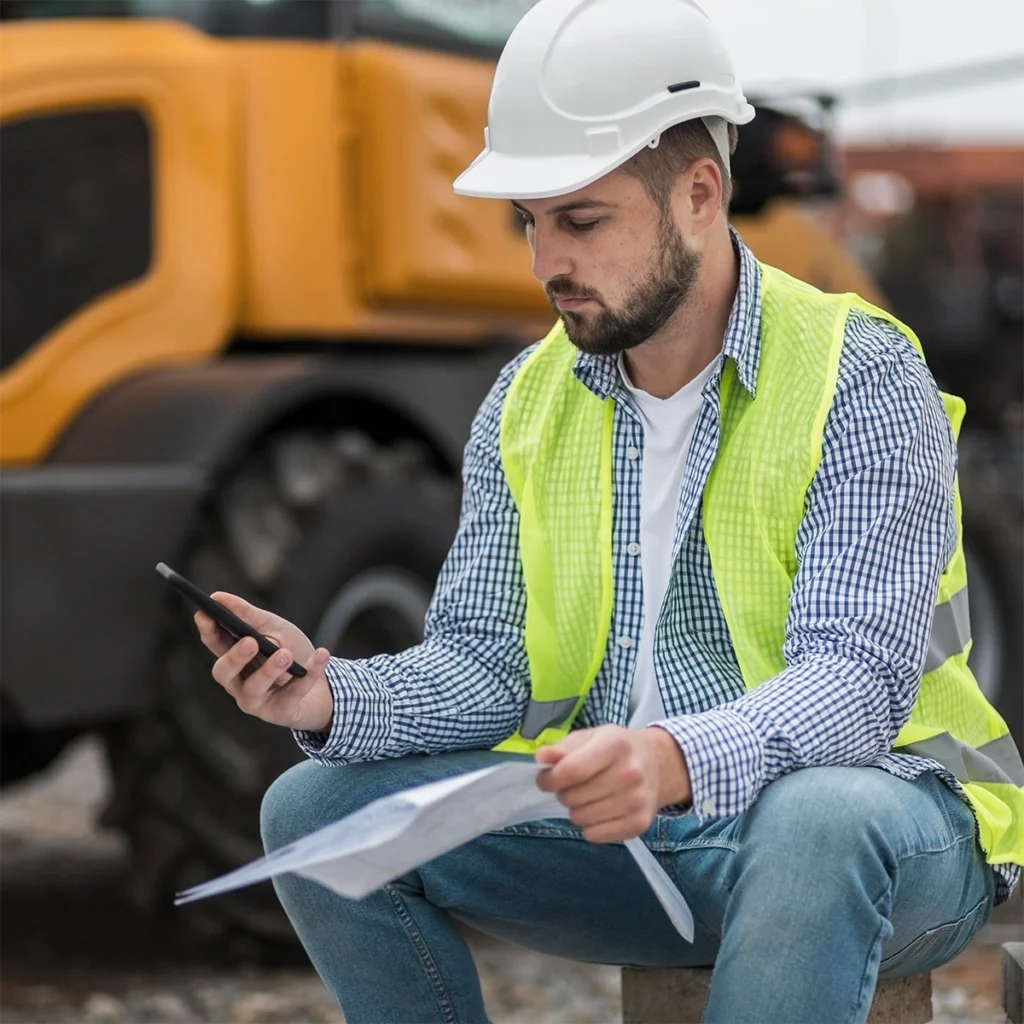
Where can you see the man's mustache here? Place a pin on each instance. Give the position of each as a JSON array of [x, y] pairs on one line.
[[565, 287]]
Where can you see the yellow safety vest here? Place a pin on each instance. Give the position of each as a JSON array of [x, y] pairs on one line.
[[556, 451]]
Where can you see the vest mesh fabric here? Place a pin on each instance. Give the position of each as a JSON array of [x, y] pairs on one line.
[[549, 440], [754, 499]]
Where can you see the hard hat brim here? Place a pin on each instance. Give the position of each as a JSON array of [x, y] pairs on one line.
[[501, 176], [495, 175]]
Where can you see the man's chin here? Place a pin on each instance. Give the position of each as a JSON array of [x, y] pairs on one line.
[[575, 328], [588, 343]]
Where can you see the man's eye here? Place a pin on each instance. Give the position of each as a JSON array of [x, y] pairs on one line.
[[587, 225]]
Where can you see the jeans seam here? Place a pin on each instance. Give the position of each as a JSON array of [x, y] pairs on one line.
[[970, 915], [670, 848], [876, 945], [936, 849], [426, 959], [903, 857], [548, 832]]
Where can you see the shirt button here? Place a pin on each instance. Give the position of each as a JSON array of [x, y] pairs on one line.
[[633, 548], [632, 453], [625, 641], [707, 806]]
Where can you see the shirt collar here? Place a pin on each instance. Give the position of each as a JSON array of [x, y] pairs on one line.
[[742, 341]]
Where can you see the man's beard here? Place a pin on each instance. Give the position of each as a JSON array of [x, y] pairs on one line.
[[645, 311]]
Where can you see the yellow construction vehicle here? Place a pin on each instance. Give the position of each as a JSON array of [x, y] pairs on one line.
[[244, 326]]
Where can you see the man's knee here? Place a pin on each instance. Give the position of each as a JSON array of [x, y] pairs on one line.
[[829, 813], [290, 808], [813, 841], [309, 796]]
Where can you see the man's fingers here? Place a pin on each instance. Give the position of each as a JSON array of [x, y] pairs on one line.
[[617, 778], [212, 636], [259, 684], [616, 831], [296, 688], [228, 667], [555, 753], [594, 752], [317, 661], [610, 807], [549, 755]]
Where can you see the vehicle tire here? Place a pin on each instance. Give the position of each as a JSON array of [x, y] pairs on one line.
[[995, 559], [24, 751], [344, 538]]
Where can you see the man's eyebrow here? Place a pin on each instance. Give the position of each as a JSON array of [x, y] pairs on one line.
[[577, 204]]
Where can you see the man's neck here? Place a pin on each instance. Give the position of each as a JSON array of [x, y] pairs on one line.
[[694, 336]]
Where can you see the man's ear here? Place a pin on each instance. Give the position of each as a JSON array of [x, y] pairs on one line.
[[699, 199]]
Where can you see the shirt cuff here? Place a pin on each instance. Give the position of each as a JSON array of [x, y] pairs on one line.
[[723, 753], [362, 720]]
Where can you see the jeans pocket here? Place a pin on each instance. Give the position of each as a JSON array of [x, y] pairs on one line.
[[938, 945], [543, 828]]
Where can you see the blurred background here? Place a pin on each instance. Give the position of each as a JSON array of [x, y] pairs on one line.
[[244, 326]]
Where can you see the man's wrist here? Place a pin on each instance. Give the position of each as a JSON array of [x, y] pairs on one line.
[[673, 774], [326, 700]]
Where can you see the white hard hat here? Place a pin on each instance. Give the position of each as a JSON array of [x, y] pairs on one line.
[[583, 85]]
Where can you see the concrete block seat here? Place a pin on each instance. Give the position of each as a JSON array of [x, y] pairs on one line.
[[1013, 982], [676, 995]]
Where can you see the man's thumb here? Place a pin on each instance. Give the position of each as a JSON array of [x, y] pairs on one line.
[[549, 755], [248, 613], [555, 752]]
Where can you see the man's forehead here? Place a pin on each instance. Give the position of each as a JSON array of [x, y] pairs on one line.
[[562, 205], [608, 192]]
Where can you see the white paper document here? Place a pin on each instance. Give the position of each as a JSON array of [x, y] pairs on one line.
[[397, 833]]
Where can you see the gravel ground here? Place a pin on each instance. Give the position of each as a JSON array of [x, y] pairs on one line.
[[72, 949]]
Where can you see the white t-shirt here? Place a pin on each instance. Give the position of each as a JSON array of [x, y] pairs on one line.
[[668, 425]]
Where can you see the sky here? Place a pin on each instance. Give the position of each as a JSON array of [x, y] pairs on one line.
[[833, 42]]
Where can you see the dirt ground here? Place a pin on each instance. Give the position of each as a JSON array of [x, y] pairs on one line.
[[72, 950]]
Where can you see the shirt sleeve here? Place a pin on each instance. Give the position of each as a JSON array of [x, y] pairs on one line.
[[466, 685], [878, 529]]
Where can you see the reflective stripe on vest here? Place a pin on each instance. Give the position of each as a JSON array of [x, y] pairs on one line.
[[995, 761], [951, 630], [556, 447], [545, 714]]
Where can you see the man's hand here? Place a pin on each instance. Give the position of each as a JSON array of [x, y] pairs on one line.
[[262, 687], [614, 780]]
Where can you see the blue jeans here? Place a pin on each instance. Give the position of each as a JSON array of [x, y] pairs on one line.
[[834, 876]]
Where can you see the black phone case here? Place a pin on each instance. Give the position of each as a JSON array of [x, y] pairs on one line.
[[222, 616]]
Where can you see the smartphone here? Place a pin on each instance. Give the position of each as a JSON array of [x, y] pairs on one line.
[[224, 618]]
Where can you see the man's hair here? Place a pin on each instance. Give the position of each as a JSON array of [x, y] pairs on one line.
[[658, 168]]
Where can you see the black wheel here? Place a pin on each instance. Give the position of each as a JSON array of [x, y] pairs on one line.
[[993, 549], [24, 751], [342, 537]]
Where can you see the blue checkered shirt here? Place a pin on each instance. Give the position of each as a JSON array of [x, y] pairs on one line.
[[880, 507]]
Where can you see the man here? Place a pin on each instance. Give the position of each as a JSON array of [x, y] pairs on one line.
[[709, 523]]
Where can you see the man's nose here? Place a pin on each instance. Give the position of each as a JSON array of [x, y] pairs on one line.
[[550, 258]]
